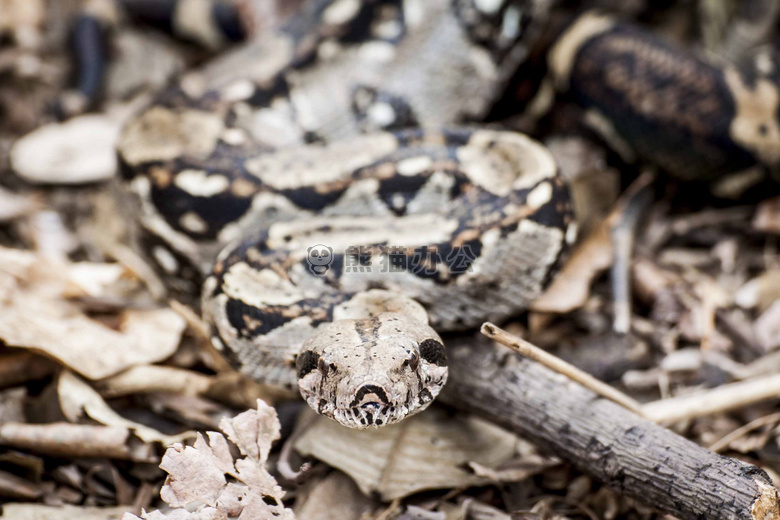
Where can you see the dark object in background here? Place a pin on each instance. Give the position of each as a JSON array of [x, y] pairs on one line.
[[90, 39]]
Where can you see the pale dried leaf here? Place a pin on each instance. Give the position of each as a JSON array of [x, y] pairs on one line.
[[253, 432], [155, 378], [41, 512], [570, 289], [427, 451], [205, 483], [141, 62], [92, 279], [203, 467], [78, 151], [68, 440], [521, 470], [335, 496], [92, 349], [78, 399], [16, 262]]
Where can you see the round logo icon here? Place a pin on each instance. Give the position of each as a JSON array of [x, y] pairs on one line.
[[319, 259]]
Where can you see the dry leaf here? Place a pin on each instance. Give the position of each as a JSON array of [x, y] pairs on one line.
[[335, 496], [34, 315], [427, 451], [80, 150], [85, 345], [78, 399], [75, 440], [205, 483], [570, 289], [92, 279], [154, 378], [41, 512], [253, 433]]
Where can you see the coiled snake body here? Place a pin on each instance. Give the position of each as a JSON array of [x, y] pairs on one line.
[[347, 255]]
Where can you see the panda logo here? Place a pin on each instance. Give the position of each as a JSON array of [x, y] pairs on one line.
[[319, 258]]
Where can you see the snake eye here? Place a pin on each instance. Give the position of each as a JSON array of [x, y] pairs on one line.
[[306, 362], [432, 351]]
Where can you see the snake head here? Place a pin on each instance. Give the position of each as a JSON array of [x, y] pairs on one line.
[[371, 372]]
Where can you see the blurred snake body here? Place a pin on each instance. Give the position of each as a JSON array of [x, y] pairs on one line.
[[318, 185]]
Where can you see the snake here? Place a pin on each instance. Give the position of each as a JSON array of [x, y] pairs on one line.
[[329, 198]]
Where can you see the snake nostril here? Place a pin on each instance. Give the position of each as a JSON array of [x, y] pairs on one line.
[[369, 395], [371, 407]]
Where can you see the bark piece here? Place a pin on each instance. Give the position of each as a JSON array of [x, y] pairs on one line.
[[634, 456]]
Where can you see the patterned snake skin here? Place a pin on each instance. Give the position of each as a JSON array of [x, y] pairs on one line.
[[349, 240]]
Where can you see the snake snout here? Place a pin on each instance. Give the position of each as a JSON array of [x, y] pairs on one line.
[[371, 407], [370, 397]]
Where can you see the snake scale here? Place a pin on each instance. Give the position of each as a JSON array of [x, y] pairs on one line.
[[317, 184]]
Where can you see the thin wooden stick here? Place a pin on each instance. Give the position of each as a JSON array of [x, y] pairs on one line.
[[724, 442], [558, 365], [664, 411], [720, 399], [645, 461]]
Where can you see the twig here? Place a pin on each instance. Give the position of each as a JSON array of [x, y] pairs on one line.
[[641, 459], [724, 442], [664, 411], [624, 220], [720, 399], [558, 365]]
